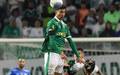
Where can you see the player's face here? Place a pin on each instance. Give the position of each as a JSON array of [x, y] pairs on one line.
[[21, 63], [60, 13]]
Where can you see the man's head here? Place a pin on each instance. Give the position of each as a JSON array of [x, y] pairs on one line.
[[30, 5], [112, 8], [60, 12], [21, 63], [89, 65]]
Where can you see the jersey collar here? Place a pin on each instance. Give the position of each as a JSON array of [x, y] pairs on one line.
[[57, 19]]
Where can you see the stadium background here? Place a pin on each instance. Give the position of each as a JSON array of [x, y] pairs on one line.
[[85, 18]]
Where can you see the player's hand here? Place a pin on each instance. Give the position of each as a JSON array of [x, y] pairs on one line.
[[63, 56], [79, 60], [66, 63]]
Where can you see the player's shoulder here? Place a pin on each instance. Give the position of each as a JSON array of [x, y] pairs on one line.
[[14, 69], [52, 21], [27, 71]]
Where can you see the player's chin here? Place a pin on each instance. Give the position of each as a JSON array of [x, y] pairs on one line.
[[21, 66], [61, 17]]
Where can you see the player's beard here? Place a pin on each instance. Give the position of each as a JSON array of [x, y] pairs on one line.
[[60, 17], [21, 66]]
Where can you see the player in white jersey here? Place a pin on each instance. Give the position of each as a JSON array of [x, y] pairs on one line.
[[89, 68], [82, 65]]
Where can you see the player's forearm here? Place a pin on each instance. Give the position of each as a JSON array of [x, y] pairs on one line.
[[73, 46]]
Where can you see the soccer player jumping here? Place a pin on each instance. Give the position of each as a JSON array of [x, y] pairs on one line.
[[53, 45]]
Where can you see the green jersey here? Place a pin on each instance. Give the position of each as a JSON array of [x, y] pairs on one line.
[[11, 32], [55, 35]]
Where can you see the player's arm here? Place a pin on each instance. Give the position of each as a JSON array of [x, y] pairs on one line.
[[72, 44], [10, 73]]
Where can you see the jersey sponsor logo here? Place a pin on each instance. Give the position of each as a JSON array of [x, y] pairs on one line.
[[62, 34]]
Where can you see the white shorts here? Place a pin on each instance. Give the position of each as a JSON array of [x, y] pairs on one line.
[[55, 63]]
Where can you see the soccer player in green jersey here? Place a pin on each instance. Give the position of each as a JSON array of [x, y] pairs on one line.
[[53, 45]]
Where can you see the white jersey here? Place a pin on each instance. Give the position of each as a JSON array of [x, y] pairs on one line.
[[79, 66]]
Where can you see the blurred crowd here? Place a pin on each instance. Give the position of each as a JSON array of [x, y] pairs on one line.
[[85, 18]]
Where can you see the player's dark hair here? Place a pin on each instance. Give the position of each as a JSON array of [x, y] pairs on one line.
[[80, 49], [62, 7]]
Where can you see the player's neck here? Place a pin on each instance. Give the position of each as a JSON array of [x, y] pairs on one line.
[[20, 68]]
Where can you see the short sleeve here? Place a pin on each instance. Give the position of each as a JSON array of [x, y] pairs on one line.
[[96, 69]]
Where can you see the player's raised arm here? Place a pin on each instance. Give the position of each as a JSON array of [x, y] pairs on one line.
[[20, 70]]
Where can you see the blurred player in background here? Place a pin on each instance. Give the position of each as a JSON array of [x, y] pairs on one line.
[[75, 67], [89, 68], [82, 64], [53, 46], [20, 69]]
